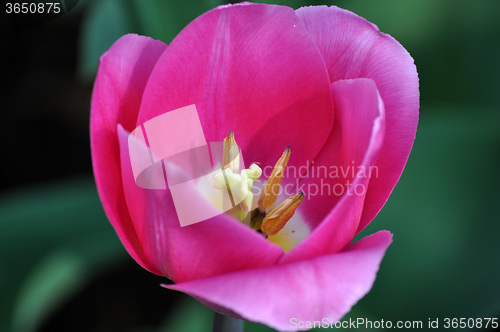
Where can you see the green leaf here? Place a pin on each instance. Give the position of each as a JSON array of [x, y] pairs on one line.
[[61, 274], [59, 226], [108, 20], [105, 22], [444, 216], [189, 316]]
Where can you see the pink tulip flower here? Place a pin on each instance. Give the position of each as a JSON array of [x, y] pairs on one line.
[[322, 80]]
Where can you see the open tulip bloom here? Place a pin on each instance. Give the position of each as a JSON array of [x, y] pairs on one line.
[[315, 113]]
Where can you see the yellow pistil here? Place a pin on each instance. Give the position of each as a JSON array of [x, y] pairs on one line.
[[275, 224], [231, 153], [239, 188], [277, 218], [271, 189]]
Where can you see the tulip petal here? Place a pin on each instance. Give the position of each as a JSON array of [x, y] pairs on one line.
[[123, 72], [352, 48], [215, 246], [253, 69], [323, 287], [352, 149]]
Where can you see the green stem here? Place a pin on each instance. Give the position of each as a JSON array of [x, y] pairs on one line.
[[223, 323]]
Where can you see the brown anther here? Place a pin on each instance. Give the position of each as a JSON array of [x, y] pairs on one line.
[[230, 153], [277, 218], [256, 219], [272, 187]]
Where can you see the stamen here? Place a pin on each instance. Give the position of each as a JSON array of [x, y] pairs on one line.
[[271, 189], [277, 224], [277, 218], [237, 185], [231, 153]]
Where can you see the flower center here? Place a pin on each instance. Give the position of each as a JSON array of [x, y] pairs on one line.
[[274, 222]]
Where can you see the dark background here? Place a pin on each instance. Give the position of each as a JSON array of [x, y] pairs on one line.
[[62, 267]]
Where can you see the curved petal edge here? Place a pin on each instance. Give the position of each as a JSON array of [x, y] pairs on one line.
[[121, 78], [353, 47], [325, 287]]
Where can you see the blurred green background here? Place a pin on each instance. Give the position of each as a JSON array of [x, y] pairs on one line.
[[62, 267]]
